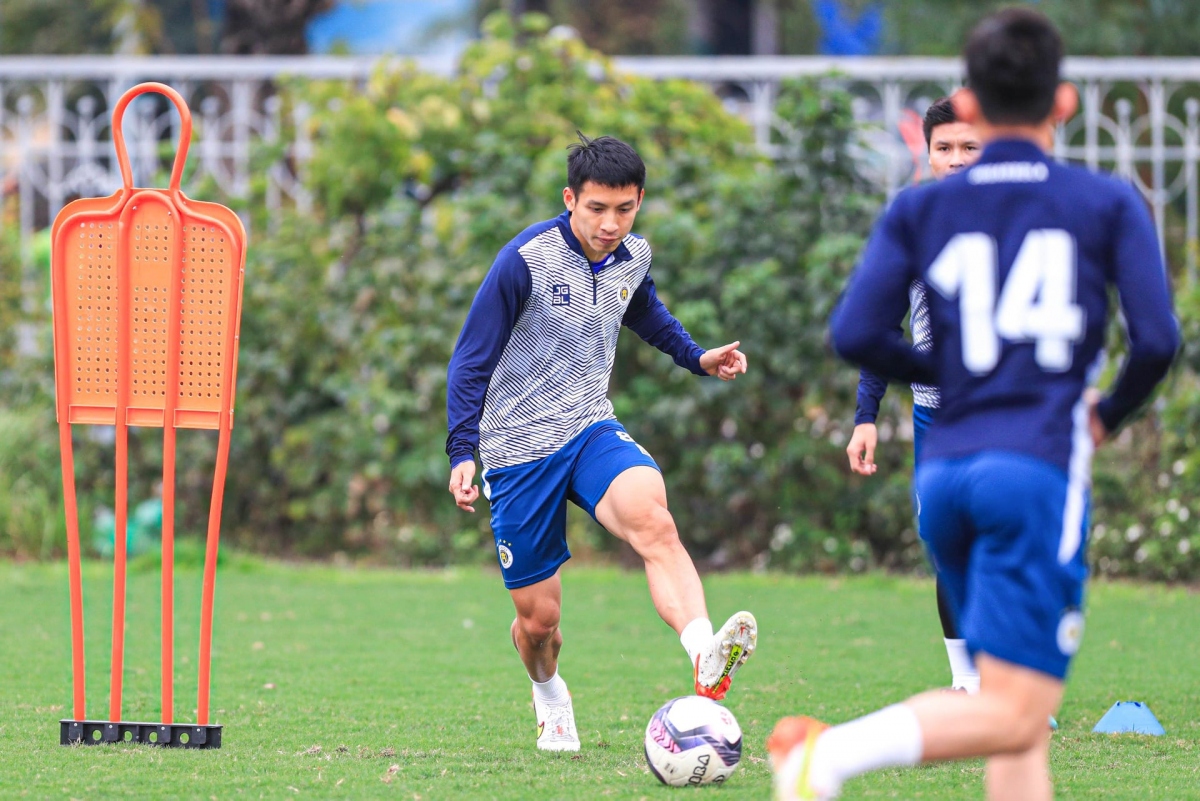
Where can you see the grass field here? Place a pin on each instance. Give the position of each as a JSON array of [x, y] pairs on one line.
[[349, 683]]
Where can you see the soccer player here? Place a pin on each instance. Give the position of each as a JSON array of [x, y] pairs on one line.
[[528, 387], [1018, 253], [953, 145]]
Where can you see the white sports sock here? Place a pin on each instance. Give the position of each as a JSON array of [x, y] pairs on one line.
[[962, 669], [696, 637], [553, 691], [888, 738]]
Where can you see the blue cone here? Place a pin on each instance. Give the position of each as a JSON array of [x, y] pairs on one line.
[[1129, 717]]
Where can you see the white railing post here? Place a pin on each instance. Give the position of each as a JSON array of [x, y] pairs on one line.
[[47, 166]]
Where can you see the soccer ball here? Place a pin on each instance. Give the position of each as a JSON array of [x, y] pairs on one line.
[[692, 741]]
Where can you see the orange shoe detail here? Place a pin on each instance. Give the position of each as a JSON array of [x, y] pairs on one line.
[[715, 693], [794, 737]]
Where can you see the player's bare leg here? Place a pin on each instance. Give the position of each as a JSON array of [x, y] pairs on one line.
[[1007, 717], [536, 635], [1006, 721], [635, 509], [535, 631], [1021, 777]]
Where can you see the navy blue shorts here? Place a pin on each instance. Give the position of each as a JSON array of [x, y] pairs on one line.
[[922, 420], [529, 501], [1007, 534]]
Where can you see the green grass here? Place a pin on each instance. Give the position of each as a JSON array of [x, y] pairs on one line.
[[347, 683]]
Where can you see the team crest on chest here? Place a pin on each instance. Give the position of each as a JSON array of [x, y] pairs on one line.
[[624, 293], [560, 295]]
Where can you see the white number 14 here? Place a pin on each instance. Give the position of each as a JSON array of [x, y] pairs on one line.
[[1037, 303]]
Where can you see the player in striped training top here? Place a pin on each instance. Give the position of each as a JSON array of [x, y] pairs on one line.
[[1018, 254], [953, 145], [528, 388]]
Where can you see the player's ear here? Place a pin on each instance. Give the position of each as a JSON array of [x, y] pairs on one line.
[[641, 194], [1066, 102], [568, 198], [966, 106]]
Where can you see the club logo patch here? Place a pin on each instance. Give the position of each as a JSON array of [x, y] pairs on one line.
[[560, 295], [1070, 632], [625, 293], [506, 557]]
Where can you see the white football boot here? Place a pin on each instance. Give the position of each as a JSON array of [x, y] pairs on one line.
[[556, 726], [730, 648]]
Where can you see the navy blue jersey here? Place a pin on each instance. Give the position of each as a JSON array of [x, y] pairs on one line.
[[1017, 253]]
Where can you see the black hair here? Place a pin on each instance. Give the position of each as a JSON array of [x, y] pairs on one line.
[[1013, 60], [605, 161], [940, 112]]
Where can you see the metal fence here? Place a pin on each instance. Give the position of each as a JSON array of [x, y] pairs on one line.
[[1139, 118]]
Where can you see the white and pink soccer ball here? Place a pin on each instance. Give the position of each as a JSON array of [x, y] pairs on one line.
[[692, 741]]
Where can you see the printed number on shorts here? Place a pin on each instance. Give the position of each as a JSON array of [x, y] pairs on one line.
[[624, 435], [1037, 302]]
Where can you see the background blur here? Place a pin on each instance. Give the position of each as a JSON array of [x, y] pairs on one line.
[[377, 190]]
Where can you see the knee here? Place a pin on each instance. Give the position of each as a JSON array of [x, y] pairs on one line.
[[1028, 730], [540, 625], [1026, 725], [652, 530]]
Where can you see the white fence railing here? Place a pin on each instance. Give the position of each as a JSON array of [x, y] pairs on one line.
[[1140, 118]]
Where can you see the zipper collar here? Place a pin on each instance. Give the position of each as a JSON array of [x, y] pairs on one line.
[[619, 255]]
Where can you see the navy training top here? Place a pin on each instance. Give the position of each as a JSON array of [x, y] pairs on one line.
[[1017, 253], [531, 367]]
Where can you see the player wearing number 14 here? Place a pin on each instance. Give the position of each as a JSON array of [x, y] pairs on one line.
[[1018, 253]]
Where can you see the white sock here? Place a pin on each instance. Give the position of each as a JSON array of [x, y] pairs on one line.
[[553, 691], [962, 668], [696, 637], [888, 738]]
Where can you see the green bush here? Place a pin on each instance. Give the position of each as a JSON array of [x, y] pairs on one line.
[[352, 310]]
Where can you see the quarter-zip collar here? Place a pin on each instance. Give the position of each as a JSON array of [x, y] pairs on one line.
[[619, 255], [1012, 149]]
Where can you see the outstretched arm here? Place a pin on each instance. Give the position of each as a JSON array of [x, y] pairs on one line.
[[649, 319]]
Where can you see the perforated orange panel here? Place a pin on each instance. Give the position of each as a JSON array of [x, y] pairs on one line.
[[207, 310], [209, 277], [92, 321]]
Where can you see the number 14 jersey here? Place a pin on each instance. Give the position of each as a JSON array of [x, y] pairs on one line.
[[1017, 253]]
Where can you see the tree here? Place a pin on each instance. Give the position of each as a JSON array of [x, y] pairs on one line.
[[269, 27], [1089, 27], [57, 27]]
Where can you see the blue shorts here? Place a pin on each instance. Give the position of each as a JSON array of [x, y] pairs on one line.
[[922, 419], [529, 501], [1007, 534]]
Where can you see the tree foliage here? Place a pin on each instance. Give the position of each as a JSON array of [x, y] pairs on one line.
[[352, 310], [912, 27], [75, 27]]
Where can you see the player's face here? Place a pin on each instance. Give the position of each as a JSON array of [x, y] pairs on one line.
[[953, 146], [601, 216]]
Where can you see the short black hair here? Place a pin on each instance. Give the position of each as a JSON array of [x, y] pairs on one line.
[[940, 112], [1013, 59], [605, 161]]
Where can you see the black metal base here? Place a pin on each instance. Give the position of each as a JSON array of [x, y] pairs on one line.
[[173, 735]]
